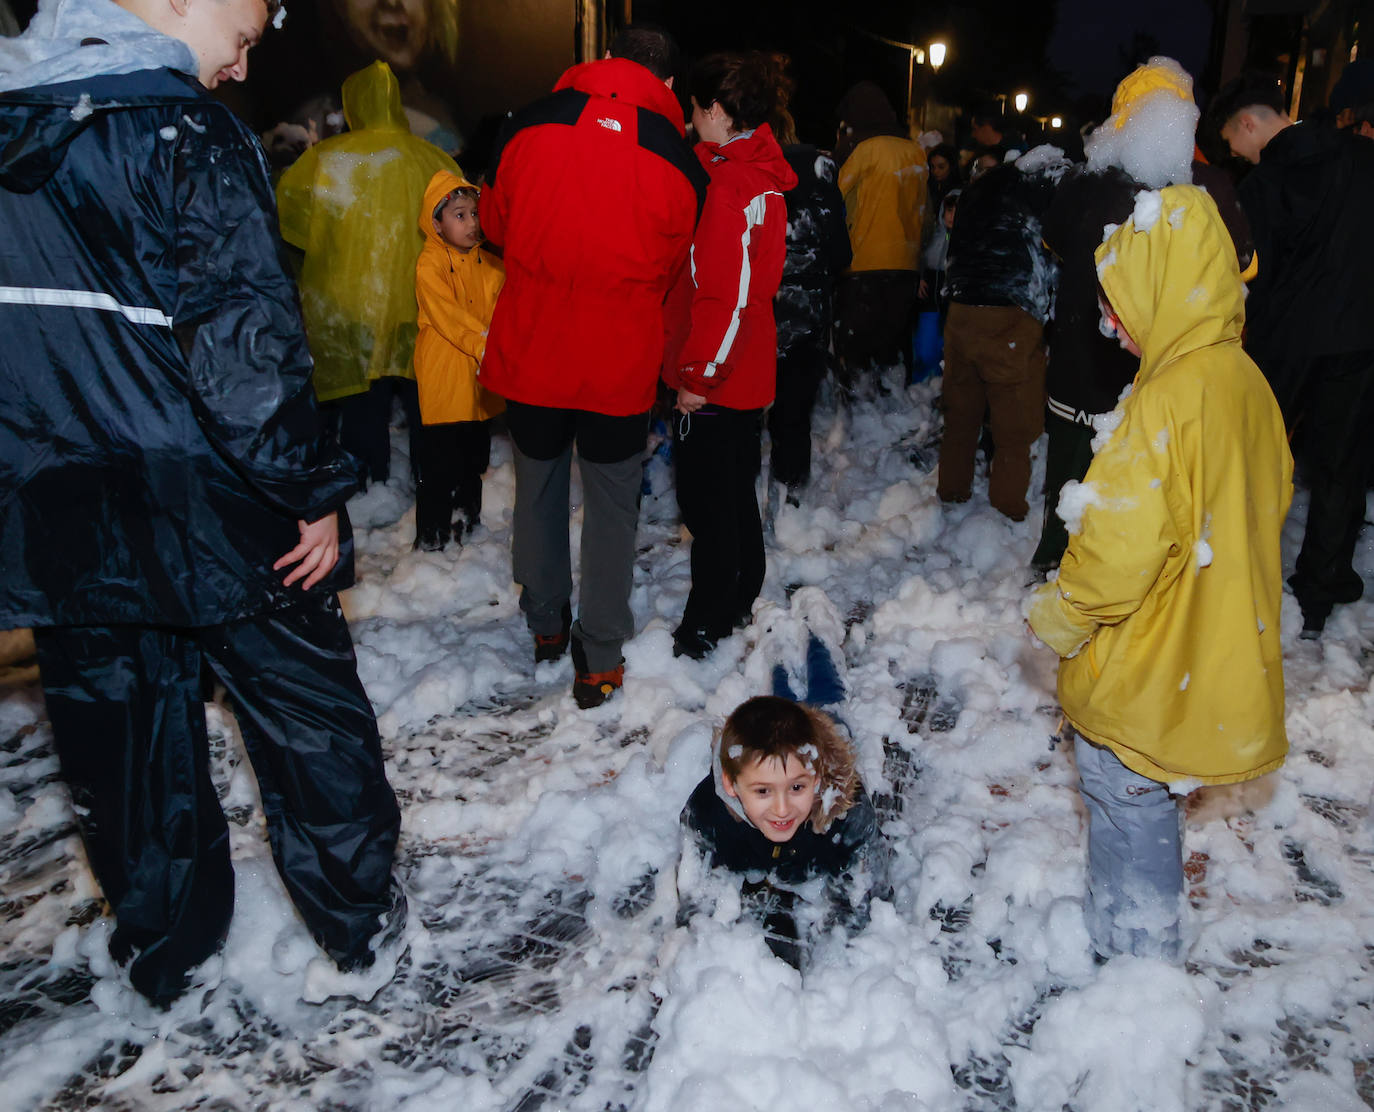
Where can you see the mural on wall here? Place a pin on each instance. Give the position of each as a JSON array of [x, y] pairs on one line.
[[462, 65]]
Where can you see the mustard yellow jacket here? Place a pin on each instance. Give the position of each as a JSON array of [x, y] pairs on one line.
[[884, 187], [348, 204], [1166, 610], [456, 294]]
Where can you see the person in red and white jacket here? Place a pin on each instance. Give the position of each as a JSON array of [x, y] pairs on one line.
[[725, 370]]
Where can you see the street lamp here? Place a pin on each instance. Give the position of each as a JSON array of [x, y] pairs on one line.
[[1021, 101], [1056, 122], [937, 55]]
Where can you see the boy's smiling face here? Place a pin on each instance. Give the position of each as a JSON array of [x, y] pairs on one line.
[[777, 797]]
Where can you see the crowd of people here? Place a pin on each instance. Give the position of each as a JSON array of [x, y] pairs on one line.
[[179, 443]]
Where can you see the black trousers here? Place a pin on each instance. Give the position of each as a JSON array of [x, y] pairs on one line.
[[1067, 457], [453, 459], [718, 454], [1333, 408], [873, 320], [800, 370], [127, 716], [363, 422]]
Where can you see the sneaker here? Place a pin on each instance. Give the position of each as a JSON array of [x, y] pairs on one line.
[[552, 646], [692, 643], [591, 689], [431, 540]]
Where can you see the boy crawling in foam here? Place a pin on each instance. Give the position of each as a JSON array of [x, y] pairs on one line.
[[783, 806]]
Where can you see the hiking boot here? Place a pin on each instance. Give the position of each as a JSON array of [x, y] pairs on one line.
[[552, 646], [591, 689]]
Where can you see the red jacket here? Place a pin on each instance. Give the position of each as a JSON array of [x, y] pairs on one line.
[[730, 350], [593, 197]]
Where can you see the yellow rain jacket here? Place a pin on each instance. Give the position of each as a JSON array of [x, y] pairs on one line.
[[456, 295], [348, 203], [1166, 609], [884, 187]]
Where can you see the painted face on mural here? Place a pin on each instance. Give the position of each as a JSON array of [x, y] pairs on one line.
[[395, 31]]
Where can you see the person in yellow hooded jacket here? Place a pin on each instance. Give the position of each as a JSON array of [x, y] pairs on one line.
[[456, 286], [1166, 608], [347, 203]]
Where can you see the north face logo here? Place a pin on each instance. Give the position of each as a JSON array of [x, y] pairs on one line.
[[609, 122]]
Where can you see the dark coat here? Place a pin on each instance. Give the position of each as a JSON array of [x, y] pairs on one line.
[[730, 842], [1087, 370], [1311, 207], [817, 249], [996, 256], [158, 432]]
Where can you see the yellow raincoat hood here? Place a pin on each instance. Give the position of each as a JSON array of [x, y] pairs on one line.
[[1166, 608], [372, 98], [349, 204]]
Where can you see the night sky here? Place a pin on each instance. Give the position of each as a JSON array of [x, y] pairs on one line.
[[1090, 37]]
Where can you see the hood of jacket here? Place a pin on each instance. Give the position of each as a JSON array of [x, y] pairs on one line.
[[1170, 273], [38, 125], [625, 80], [757, 150], [837, 778], [1151, 131], [440, 186], [70, 40], [372, 99]]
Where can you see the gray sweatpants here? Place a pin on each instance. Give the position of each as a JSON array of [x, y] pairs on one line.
[[1135, 857], [541, 556]]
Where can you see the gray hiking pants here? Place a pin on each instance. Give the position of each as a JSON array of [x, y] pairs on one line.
[[540, 549], [1135, 857]]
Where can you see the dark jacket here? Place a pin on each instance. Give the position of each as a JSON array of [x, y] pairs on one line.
[[817, 249], [1310, 207], [593, 199], [158, 432], [1087, 370], [730, 842], [996, 256]]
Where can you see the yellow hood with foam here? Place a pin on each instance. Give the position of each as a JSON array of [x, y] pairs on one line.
[[1166, 609]]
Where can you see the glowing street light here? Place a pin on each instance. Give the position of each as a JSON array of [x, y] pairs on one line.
[[1056, 121], [1021, 101], [937, 55]]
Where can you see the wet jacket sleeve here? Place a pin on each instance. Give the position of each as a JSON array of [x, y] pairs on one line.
[[720, 269], [238, 323], [445, 315], [1115, 561], [839, 251]]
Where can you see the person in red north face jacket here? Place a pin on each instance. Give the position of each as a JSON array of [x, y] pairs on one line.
[[726, 369], [593, 197]]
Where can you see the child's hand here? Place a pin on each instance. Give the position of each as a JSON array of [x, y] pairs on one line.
[[317, 553]]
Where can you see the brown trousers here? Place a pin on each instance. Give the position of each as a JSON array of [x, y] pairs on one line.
[[994, 361]]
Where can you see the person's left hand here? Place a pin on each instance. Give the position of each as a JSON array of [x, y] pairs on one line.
[[688, 402], [316, 555]]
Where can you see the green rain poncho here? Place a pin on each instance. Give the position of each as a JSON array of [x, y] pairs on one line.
[[349, 203]]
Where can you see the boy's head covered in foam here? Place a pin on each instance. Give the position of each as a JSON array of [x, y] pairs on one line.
[[782, 764]]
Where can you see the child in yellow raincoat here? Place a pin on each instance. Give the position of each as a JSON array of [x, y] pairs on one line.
[[1166, 609], [456, 286]]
